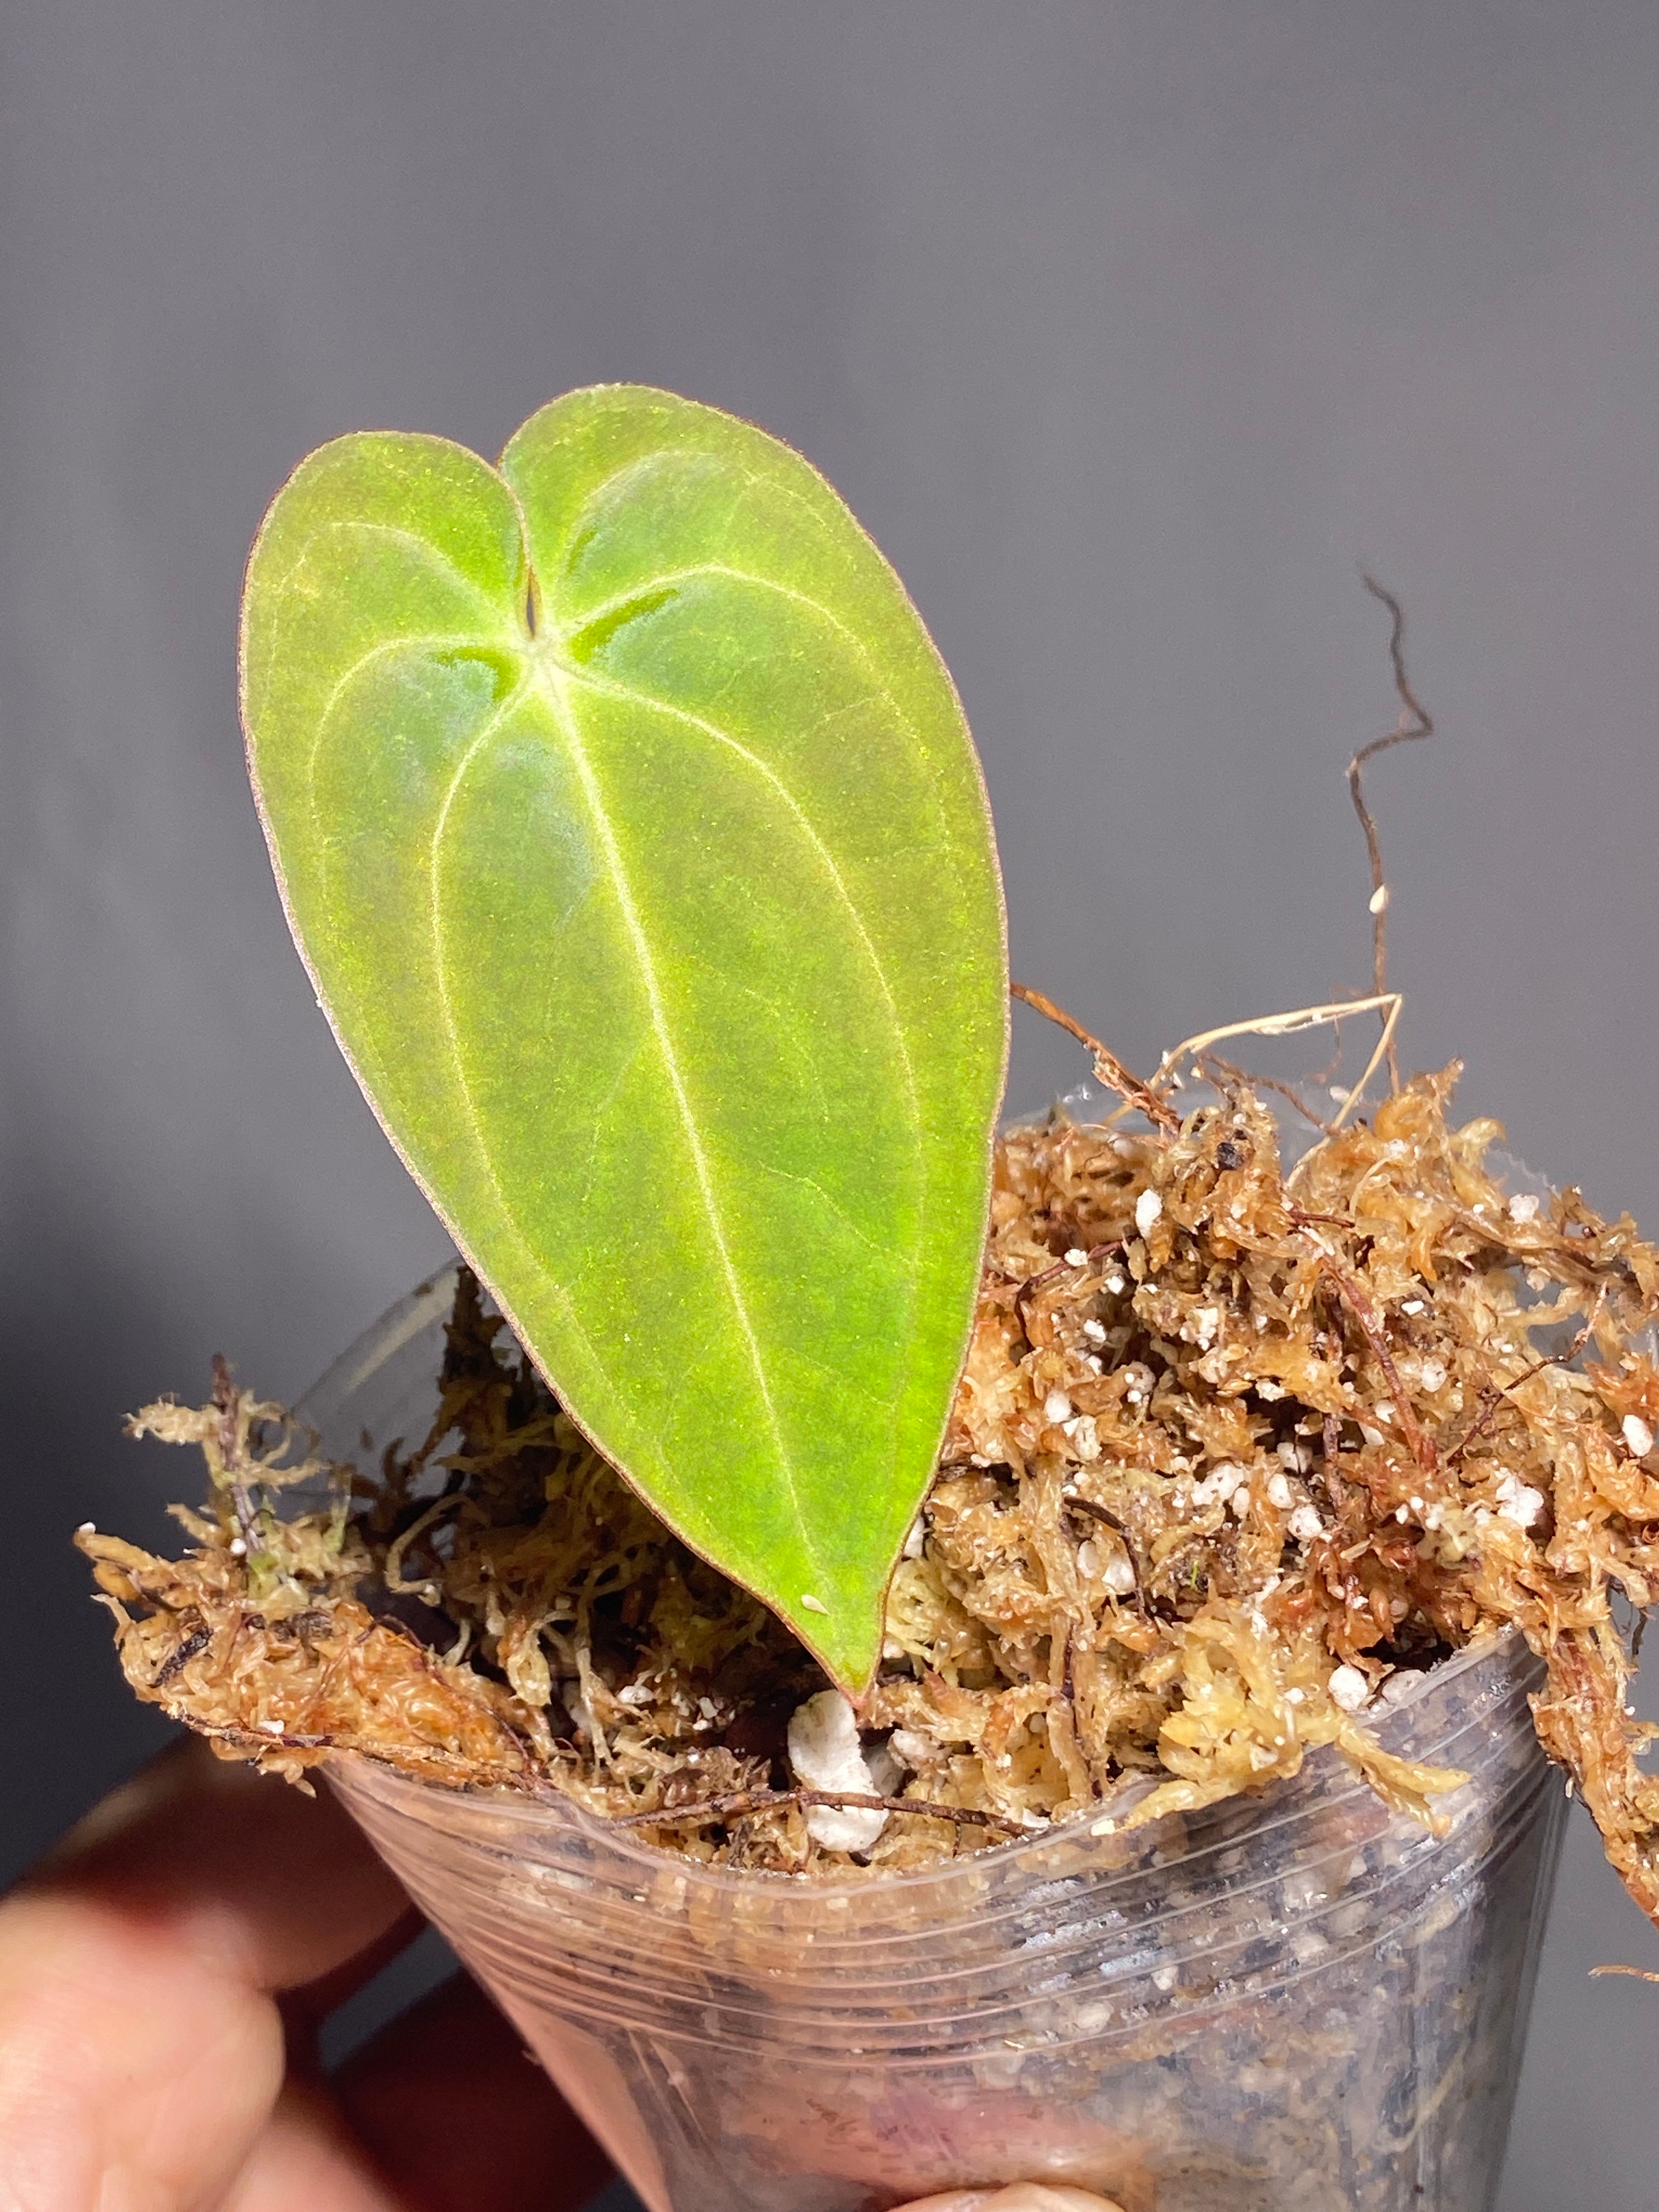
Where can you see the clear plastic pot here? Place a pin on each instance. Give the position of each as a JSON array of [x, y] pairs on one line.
[[1295, 2003]]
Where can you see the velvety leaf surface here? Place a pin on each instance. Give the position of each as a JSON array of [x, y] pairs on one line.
[[628, 823]]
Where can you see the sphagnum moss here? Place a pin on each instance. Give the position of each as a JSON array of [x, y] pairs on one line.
[[1234, 1451]]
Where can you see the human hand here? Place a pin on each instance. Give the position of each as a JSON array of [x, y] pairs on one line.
[[163, 1974]]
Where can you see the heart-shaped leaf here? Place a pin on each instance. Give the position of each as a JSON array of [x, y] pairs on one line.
[[628, 823]]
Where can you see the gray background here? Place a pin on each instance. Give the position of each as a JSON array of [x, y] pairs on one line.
[[1127, 330]]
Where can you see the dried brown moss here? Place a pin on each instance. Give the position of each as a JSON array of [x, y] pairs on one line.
[[1232, 1451]]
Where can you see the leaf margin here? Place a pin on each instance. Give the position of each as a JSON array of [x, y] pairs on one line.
[[801, 1623]]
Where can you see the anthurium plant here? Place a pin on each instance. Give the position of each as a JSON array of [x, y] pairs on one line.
[[630, 829]]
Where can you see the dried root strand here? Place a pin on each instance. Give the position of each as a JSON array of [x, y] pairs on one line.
[[1414, 722], [739, 1802], [1108, 1066]]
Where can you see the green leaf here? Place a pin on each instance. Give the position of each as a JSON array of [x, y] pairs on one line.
[[628, 823]]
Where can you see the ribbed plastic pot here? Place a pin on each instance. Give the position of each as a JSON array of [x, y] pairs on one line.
[[1293, 2003]]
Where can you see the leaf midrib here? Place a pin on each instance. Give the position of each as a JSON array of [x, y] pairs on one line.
[[546, 673], [548, 677], [912, 1097]]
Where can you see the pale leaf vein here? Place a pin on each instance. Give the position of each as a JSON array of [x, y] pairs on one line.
[[634, 924]]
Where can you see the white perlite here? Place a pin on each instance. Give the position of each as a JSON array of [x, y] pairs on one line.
[[824, 1754], [1120, 1574], [1219, 1484], [1518, 1501], [1349, 1688], [1148, 1206], [1637, 1435]]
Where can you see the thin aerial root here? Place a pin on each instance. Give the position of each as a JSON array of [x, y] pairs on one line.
[[1108, 1066], [1386, 1003], [1240, 1079], [1414, 722], [1420, 1444], [740, 1801], [1491, 1399]]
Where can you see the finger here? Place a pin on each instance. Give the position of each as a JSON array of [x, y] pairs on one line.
[[458, 2115], [274, 1887], [304, 2009], [132, 2072], [140, 2049], [304, 2161]]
